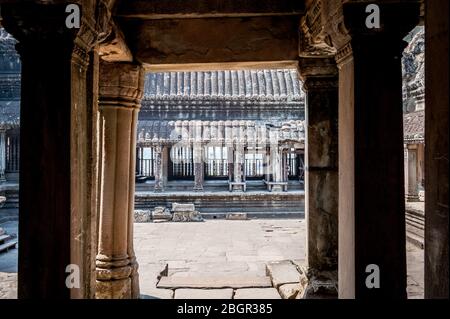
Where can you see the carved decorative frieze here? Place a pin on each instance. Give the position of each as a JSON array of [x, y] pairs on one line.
[[314, 42]]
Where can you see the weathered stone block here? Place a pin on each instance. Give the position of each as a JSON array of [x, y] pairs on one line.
[[237, 216], [289, 291], [142, 216], [177, 207], [187, 216], [282, 272], [161, 213]]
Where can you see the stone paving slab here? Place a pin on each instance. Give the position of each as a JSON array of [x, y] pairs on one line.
[[282, 272], [203, 293], [257, 293], [230, 281]]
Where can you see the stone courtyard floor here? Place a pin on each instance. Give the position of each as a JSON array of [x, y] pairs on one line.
[[233, 248]]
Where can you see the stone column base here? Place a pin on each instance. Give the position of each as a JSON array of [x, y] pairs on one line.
[[316, 284], [113, 289]]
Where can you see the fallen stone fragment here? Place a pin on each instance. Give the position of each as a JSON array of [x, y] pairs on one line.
[[289, 291], [142, 216]]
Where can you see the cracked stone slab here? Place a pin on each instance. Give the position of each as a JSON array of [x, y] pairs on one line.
[[257, 293], [203, 293], [282, 272]]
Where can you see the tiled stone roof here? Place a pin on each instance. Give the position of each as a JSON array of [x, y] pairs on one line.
[[414, 126], [264, 85]]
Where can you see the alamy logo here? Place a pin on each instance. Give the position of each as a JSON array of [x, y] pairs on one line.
[[373, 19], [373, 279], [73, 279], [73, 19]]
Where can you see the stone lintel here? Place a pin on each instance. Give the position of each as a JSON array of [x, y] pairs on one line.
[[185, 41], [143, 9]]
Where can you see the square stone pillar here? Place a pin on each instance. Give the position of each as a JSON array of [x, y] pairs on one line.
[[412, 189], [199, 169], [57, 201], [276, 164], [320, 76], [121, 89], [436, 148], [2, 154], [159, 187], [165, 165], [372, 243], [238, 168]]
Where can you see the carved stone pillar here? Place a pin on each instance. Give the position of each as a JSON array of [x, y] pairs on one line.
[[238, 168], [198, 167], [412, 189], [121, 88], [158, 169], [2, 154], [277, 167], [371, 157], [56, 202], [320, 76], [165, 165]]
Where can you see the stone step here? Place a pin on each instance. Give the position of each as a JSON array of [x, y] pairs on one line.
[[4, 238], [414, 239], [416, 219], [6, 246], [415, 212], [215, 281], [415, 223]]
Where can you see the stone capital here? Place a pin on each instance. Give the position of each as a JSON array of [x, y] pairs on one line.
[[318, 73], [121, 84]]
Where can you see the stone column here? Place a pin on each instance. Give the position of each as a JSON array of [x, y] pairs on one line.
[[320, 76], [158, 169], [238, 169], [230, 162], [198, 166], [277, 167], [412, 191], [55, 199], [121, 88], [165, 165], [371, 157], [2, 154], [436, 148], [197, 132]]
